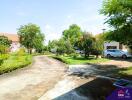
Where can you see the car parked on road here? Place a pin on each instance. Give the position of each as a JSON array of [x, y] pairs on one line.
[[116, 53]]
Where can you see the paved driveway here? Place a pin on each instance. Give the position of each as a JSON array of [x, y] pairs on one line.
[[31, 82], [46, 79]]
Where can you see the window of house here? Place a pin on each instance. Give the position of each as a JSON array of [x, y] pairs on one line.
[[111, 47]]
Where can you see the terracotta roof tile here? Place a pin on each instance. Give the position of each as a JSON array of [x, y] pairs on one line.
[[12, 37]]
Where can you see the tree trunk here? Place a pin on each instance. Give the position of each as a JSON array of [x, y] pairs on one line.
[[97, 56], [30, 50]]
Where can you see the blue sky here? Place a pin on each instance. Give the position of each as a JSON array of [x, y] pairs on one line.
[[53, 16]]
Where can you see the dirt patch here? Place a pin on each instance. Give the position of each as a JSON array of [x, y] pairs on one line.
[[120, 63]]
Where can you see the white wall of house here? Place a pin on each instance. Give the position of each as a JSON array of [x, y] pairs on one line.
[[15, 46], [125, 48], [112, 44]]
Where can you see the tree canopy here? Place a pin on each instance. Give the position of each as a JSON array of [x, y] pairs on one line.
[[4, 41], [85, 43], [119, 17], [72, 34], [31, 36]]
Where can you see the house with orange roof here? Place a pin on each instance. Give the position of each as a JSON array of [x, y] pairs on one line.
[[15, 45]]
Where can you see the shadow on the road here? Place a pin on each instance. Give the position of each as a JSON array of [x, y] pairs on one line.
[[97, 89], [102, 70], [101, 87]]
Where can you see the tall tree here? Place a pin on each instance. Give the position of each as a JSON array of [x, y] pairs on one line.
[[52, 44], [119, 17], [72, 34], [86, 43], [31, 36], [39, 43]]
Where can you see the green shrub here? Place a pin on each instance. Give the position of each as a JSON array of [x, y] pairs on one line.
[[21, 52], [3, 57], [47, 53], [74, 55], [3, 49], [15, 62], [60, 59]]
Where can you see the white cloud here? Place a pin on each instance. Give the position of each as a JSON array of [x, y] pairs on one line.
[[69, 16], [47, 27], [51, 32], [21, 14]]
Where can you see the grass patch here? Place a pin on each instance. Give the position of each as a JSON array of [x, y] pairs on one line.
[[79, 60], [15, 62], [126, 71]]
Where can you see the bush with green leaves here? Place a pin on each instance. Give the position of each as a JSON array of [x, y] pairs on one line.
[[15, 62], [21, 52], [3, 57], [3, 49], [74, 55]]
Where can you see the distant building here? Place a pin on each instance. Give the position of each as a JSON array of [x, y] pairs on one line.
[[115, 45], [15, 45]]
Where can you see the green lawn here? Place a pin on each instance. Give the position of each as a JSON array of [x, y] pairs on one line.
[[80, 60], [127, 71], [15, 62]]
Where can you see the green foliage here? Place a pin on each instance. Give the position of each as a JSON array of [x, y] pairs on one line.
[[98, 45], [86, 43], [79, 60], [75, 55], [62, 46], [3, 49], [38, 41], [52, 44], [72, 34], [60, 59], [31, 37], [68, 47], [47, 53], [15, 62], [119, 17], [4, 44], [4, 41], [67, 42], [21, 52], [3, 57], [126, 71]]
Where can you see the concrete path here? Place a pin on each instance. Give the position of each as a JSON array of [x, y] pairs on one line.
[[46, 79], [31, 82]]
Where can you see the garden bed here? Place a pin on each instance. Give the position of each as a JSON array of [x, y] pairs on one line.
[[79, 60], [15, 62]]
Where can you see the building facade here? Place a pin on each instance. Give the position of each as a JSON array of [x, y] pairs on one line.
[[115, 45], [15, 45]]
